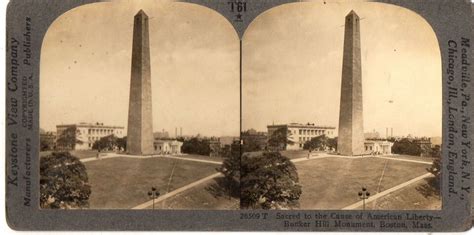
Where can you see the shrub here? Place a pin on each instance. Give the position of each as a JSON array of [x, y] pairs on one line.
[[196, 146], [406, 146], [63, 182], [268, 181], [230, 168]]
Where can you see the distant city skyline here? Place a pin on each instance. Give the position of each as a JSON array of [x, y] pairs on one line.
[[171, 131], [381, 131], [292, 65]]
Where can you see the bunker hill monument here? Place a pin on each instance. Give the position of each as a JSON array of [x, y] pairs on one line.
[[351, 123], [140, 126]]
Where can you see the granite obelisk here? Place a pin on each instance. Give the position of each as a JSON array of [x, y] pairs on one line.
[[140, 126], [350, 140]]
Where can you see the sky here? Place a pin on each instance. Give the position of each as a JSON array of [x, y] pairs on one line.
[[292, 65], [86, 66]]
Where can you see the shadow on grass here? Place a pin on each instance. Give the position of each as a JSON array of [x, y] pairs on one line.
[[431, 188], [222, 188]]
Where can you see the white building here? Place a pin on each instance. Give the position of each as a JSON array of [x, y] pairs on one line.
[[167, 146], [378, 147], [299, 134], [86, 134]]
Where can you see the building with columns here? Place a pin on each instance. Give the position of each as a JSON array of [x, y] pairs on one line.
[[85, 134], [301, 133]]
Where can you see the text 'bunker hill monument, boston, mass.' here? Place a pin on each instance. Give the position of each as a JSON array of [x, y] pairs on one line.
[[140, 126], [351, 123]]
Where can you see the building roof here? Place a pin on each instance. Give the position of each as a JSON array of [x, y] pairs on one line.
[[299, 125], [90, 125]]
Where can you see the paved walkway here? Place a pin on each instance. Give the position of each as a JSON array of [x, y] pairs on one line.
[[174, 192], [404, 160], [114, 155], [383, 193], [192, 159]]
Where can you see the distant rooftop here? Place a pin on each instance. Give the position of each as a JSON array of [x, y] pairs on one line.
[[299, 125], [86, 124]]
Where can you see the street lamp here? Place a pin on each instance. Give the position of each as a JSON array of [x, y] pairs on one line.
[[364, 194], [153, 194]]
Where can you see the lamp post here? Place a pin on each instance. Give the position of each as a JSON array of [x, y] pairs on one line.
[[153, 194], [364, 194]]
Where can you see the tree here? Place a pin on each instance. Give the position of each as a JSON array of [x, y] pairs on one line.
[[280, 138], [122, 143], [106, 143], [230, 167], [268, 181], [196, 145], [406, 146], [319, 143], [253, 141], [67, 139], [44, 144], [63, 182], [250, 145], [435, 168], [332, 143], [433, 183]]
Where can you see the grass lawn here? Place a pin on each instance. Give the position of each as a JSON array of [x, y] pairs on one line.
[[121, 183], [206, 196], [81, 154], [408, 198], [292, 154], [333, 183], [201, 157]]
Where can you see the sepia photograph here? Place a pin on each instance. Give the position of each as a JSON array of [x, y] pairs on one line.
[[140, 108], [341, 109], [238, 115]]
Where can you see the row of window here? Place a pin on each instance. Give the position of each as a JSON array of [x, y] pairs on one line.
[[304, 139], [312, 132], [102, 131], [93, 138]]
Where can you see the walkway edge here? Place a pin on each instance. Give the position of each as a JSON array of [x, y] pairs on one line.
[[174, 192], [390, 190]]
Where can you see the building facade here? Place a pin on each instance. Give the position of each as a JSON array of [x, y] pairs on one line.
[[85, 134], [378, 147], [167, 147], [299, 134]]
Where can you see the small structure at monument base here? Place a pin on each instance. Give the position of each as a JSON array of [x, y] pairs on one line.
[[378, 147], [167, 147]]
